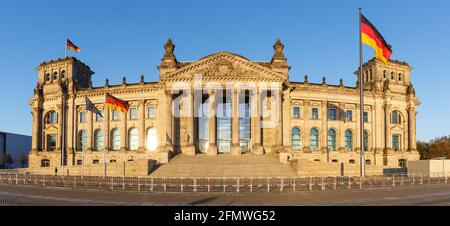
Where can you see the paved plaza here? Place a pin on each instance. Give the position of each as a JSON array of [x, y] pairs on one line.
[[429, 195]]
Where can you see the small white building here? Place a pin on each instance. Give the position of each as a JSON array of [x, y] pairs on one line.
[[433, 167]]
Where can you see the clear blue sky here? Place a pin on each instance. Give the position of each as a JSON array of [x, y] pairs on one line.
[[125, 38]]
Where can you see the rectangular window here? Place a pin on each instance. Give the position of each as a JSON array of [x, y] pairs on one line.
[[151, 112], [99, 118], [349, 116], [133, 113], [82, 117], [51, 142], [396, 142], [315, 113], [115, 115], [366, 117], [332, 114], [296, 112]]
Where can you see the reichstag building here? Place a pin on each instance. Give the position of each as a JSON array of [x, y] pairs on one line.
[[222, 104]]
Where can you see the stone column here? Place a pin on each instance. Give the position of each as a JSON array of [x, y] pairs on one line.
[[257, 148], [169, 123], [286, 114], [35, 130], [342, 114], [90, 132], [212, 148], [356, 132], [412, 128], [305, 133], [188, 147], [278, 146], [235, 147], [323, 139], [70, 126], [106, 132], [123, 132], [60, 127], [141, 113], [388, 137]]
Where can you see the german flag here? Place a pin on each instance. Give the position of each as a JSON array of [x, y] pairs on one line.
[[72, 46], [372, 37], [116, 104]]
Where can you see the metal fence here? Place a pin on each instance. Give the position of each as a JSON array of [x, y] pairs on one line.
[[223, 185]]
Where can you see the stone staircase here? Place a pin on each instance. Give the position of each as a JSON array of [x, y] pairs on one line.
[[225, 165]]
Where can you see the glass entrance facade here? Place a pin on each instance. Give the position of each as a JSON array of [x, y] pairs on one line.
[[224, 115], [244, 124]]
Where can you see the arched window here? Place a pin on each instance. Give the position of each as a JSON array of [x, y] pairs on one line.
[[348, 140], [99, 142], [396, 119], [314, 139], [63, 74], [368, 162], [115, 139], [133, 139], [366, 141], [334, 161], [351, 161], [331, 140], [79, 162], [83, 140], [296, 140], [52, 117], [45, 163], [384, 74], [55, 75], [399, 77], [392, 75], [152, 142], [367, 77], [95, 161]]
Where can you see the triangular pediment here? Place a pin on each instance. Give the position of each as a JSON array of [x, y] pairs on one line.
[[224, 66]]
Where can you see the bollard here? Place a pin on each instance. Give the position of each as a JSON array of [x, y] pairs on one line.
[[282, 184], [393, 180], [43, 180], [446, 178], [112, 184], [16, 179], [139, 184], [310, 183], [123, 183], [151, 184], [237, 185], [293, 185], [401, 180], [360, 182], [195, 184], [322, 185], [268, 185]]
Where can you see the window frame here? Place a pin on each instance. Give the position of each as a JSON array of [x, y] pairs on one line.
[[314, 113]]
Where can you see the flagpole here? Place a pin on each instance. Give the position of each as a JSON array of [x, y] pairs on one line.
[[104, 141], [65, 49], [361, 97], [63, 133]]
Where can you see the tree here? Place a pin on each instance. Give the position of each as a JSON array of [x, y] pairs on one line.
[[6, 160], [439, 149], [423, 148], [22, 159]]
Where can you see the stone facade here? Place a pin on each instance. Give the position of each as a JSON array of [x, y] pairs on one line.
[[253, 108]]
